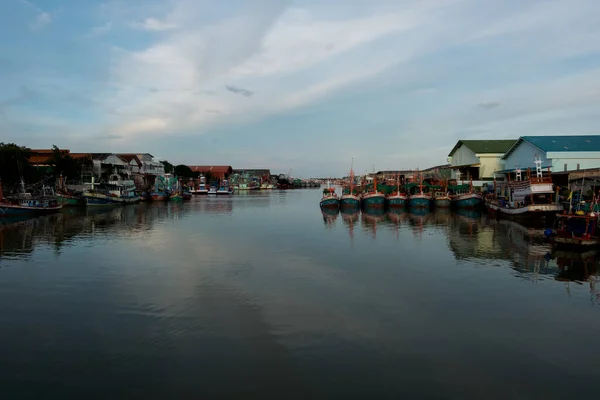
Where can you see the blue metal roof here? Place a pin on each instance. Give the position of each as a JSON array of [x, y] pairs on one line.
[[560, 143]]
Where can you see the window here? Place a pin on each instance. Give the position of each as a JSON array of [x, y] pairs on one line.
[[565, 167]]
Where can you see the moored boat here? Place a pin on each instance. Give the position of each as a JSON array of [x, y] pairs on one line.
[[441, 199], [372, 198], [580, 229], [65, 197], [330, 199], [26, 204], [531, 197], [202, 188], [115, 192], [419, 198], [224, 188], [350, 197], [465, 196], [398, 198]]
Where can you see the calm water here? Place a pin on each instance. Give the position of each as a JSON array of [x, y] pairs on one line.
[[266, 297]]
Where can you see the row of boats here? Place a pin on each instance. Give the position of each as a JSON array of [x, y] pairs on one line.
[[411, 195]]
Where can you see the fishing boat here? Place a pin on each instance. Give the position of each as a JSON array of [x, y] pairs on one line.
[[465, 196], [66, 197], [441, 197], [115, 192], [224, 188], [398, 198], [212, 189], [578, 229], [531, 197], [202, 188], [350, 197], [419, 198], [372, 197], [25, 203], [159, 195], [330, 199]]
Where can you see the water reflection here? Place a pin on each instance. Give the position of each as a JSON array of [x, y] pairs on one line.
[[329, 217]]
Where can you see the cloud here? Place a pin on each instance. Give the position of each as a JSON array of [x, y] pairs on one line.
[[243, 92], [42, 19], [153, 24], [489, 104], [100, 30]]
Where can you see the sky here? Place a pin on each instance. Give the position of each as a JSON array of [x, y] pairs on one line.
[[308, 86]]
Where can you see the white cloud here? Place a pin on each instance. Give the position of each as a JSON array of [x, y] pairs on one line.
[[100, 30], [42, 19], [153, 24]]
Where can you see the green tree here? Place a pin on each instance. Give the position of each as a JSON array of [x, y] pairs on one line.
[[14, 163], [63, 163], [183, 171], [168, 166]]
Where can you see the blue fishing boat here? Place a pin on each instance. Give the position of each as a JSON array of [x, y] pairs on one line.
[[350, 198], [398, 198], [330, 199], [372, 198], [26, 204], [464, 196], [224, 188], [419, 198]]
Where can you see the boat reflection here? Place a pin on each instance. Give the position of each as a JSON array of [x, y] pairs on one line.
[[350, 218], [370, 218], [330, 216]]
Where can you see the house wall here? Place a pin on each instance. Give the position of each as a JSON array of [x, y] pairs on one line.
[[585, 159], [463, 156], [490, 163], [524, 157]]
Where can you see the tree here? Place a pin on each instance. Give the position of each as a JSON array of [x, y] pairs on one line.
[[183, 171], [63, 164], [168, 166], [14, 163]]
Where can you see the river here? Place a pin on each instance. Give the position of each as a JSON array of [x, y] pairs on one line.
[[262, 295]]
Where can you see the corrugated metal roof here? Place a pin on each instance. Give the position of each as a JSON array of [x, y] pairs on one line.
[[485, 146], [560, 143]]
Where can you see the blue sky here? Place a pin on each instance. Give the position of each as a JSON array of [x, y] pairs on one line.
[[301, 85]]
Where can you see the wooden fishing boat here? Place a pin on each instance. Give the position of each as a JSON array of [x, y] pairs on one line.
[[350, 197], [224, 188], [532, 197], [441, 199], [419, 196], [465, 196], [398, 198], [66, 197], [373, 198], [579, 229], [330, 199], [26, 204], [115, 192]]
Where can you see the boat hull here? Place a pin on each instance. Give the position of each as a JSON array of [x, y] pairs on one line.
[[10, 210], [349, 201], [530, 211], [68, 200], [442, 202], [331, 203], [397, 201], [419, 201], [176, 198], [373, 201], [94, 200], [469, 200], [224, 192], [575, 242]]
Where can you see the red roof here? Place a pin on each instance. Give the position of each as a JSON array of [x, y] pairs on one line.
[[214, 169]]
